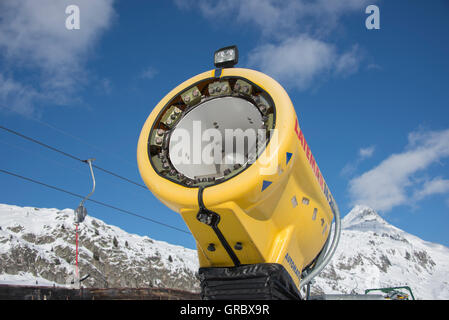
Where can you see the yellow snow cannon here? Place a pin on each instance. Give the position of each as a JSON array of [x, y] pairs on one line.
[[225, 150]]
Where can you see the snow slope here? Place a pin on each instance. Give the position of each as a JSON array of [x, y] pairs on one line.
[[39, 244], [372, 253]]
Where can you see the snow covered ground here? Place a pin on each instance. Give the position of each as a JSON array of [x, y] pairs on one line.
[[26, 279]]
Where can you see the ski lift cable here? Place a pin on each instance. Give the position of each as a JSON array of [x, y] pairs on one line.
[[83, 141], [124, 211], [70, 156], [72, 136], [43, 157]]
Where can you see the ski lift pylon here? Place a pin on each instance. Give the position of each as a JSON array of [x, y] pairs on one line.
[[80, 215]]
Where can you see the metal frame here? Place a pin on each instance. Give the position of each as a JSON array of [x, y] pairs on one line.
[[325, 255], [89, 161]]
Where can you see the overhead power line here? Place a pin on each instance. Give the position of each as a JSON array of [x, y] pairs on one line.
[[95, 201], [70, 156]]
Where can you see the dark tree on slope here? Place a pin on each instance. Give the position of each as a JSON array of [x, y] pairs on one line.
[[96, 256], [115, 242]]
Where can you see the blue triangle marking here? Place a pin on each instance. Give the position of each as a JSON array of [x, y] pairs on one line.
[[218, 72], [289, 156], [266, 184]]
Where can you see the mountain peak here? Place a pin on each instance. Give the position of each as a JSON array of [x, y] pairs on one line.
[[365, 218]]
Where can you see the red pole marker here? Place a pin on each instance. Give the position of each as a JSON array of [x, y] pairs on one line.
[[76, 250]]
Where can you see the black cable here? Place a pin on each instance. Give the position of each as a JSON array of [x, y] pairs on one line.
[[95, 201], [70, 156], [214, 220]]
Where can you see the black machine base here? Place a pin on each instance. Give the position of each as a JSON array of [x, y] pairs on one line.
[[264, 281]]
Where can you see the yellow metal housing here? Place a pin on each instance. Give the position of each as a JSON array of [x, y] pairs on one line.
[[281, 217]]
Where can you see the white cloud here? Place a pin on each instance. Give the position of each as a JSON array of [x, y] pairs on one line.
[[392, 182], [374, 66], [41, 53], [294, 48], [296, 60], [15, 96], [105, 85], [348, 170], [348, 62], [299, 61], [275, 18], [148, 73], [365, 153], [434, 186], [351, 167]]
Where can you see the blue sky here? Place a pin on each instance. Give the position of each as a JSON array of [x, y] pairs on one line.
[[373, 104]]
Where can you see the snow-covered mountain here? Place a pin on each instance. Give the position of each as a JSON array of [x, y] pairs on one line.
[[373, 254], [39, 244]]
